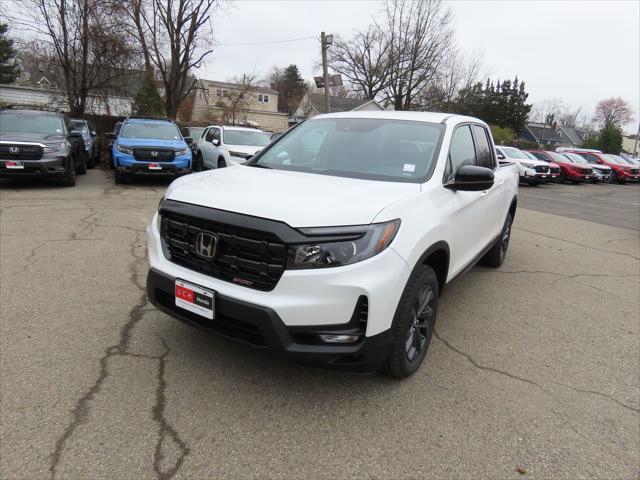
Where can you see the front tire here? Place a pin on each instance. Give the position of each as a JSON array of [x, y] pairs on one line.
[[413, 323], [69, 179], [498, 252], [121, 178], [221, 163], [82, 168]]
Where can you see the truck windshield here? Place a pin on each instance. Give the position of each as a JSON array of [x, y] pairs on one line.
[[371, 148], [246, 137], [159, 131], [30, 122]]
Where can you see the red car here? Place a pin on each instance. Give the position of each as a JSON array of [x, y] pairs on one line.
[[569, 170], [621, 171]]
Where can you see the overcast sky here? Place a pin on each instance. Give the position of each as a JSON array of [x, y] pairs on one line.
[[579, 51]]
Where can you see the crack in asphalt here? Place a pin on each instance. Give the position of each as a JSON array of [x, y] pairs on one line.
[[578, 244], [561, 414], [595, 392], [562, 275], [80, 412], [30, 260]]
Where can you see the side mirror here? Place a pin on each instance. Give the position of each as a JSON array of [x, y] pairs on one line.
[[216, 142], [93, 133], [249, 157], [110, 135], [471, 178], [76, 133], [500, 156], [188, 140]]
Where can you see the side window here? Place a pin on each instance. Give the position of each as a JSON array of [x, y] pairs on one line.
[[461, 152], [208, 135], [483, 151], [216, 133]]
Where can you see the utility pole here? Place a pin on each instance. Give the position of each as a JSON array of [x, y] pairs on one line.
[[635, 145], [325, 41]]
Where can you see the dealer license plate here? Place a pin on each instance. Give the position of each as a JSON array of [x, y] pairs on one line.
[[14, 165], [155, 166], [195, 299]]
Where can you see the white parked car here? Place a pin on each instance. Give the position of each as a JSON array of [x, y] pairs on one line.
[[222, 146], [532, 171], [331, 246]]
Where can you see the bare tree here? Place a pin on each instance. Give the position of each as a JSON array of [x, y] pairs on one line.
[[175, 36], [419, 35], [86, 41], [614, 111], [362, 61], [544, 109], [570, 116], [236, 104]]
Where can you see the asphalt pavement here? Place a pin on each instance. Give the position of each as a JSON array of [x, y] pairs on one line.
[[535, 366]]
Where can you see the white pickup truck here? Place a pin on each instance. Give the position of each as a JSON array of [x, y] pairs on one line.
[[332, 245]]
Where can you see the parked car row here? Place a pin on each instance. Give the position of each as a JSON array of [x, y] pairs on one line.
[[570, 165]]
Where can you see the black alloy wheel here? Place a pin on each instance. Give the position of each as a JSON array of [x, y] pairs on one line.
[[420, 326]]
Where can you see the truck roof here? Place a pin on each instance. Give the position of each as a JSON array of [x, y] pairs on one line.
[[431, 117]]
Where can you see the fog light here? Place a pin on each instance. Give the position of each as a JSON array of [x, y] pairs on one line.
[[339, 338]]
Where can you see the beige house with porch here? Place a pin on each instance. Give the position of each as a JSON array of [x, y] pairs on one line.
[[223, 102]]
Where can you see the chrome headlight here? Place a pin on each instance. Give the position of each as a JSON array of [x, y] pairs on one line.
[[122, 149], [527, 165], [55, 147], [181, 152], [369, 241]]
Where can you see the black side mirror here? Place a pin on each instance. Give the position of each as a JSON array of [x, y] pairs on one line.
[[110, 135], [188, 140], [471, 178], [500, 156]]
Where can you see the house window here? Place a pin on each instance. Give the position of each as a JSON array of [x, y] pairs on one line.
[[260, 98], [225, 93], [218, 92], [263, 98]]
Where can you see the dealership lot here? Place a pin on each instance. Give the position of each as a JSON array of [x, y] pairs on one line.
[[535, 365]]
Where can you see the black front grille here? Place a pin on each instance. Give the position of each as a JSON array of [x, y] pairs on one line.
[[246, 257], [635, 171], [20, 152], [542, 168], [555, 170], [153, 154], [587, 171]]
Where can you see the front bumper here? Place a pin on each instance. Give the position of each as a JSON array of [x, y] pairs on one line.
[[127, 164], [261, 327], [46, 166]]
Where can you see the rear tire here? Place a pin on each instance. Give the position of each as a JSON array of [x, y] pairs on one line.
[[498, 252], [198, 164], [91, 162], [413, 323]]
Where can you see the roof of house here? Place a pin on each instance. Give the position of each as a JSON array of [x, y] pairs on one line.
[[574, 134], [540, 132], [255, 88], [338, 104]]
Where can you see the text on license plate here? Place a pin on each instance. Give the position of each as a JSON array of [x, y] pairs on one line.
[[195, 299], [14, 165], [154, 166]]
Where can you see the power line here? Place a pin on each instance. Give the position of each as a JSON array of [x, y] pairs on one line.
[[265, 43]]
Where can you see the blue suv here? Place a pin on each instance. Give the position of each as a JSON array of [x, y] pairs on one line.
[[149, 146]]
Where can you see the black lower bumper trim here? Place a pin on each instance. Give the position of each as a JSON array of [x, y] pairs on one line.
[[261, 327]]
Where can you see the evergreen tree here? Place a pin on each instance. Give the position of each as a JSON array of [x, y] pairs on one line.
[[148, 100], [292, 89], [8, 67], [610, 139]]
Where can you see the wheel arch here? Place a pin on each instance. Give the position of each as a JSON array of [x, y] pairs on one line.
[[437, 257]]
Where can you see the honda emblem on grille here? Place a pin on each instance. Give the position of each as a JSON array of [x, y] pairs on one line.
[[14, 150], [206, 244], [154, 154]]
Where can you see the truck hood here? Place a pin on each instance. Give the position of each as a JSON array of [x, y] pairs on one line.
[[150, 142], [298, 199], [31, 137]]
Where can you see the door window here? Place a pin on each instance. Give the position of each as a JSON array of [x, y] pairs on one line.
[[461, 152], [483, 150]]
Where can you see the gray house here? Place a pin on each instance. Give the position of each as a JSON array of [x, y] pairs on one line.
[[572, 137], [541, 134], [313, 104]]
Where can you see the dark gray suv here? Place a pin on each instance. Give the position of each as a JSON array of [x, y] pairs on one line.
[[42, 143]]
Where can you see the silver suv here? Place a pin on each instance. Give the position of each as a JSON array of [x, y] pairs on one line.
[[221, 146]]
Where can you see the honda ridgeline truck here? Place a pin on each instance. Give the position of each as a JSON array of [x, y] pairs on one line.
[[333, 243]]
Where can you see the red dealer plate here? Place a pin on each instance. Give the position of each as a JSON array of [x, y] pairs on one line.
[[154, 166], [195, 299], [14, 165]]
